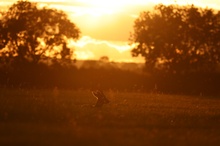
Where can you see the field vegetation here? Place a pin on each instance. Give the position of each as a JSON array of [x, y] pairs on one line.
[[67, 117], [46, 100]]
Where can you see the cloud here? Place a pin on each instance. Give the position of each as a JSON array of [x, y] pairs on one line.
[[90, 48]]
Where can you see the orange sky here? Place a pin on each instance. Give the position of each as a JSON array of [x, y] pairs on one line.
[[105, 25]]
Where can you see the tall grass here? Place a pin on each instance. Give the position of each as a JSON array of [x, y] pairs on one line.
[[67, 117]]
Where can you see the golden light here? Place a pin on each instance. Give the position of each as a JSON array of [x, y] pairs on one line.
[[103, 21], [105, 25], [107, 4], [112, 6], [119, 4]]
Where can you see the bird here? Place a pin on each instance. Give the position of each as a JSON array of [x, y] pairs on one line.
[[101, 98]]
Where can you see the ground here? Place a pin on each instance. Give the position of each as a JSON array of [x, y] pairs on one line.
[[67, 117]]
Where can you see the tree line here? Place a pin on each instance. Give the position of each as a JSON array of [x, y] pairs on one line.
[[180, 44]]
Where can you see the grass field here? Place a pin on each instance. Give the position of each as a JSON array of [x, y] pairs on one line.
[[67, 117]]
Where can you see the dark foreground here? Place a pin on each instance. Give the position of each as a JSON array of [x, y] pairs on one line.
[[55, 118]]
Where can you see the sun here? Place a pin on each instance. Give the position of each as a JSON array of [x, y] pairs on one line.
[[103, 3], [114, 4]]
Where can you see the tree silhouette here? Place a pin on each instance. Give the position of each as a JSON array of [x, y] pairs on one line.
[[32, 34], [178, 39]]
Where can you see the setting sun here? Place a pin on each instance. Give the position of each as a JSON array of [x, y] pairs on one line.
[[113, 3]]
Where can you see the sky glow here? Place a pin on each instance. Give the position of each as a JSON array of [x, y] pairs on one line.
[[106, 25]]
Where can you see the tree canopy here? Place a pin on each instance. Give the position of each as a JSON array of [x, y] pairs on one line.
[[178, 38], [30, 34]]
